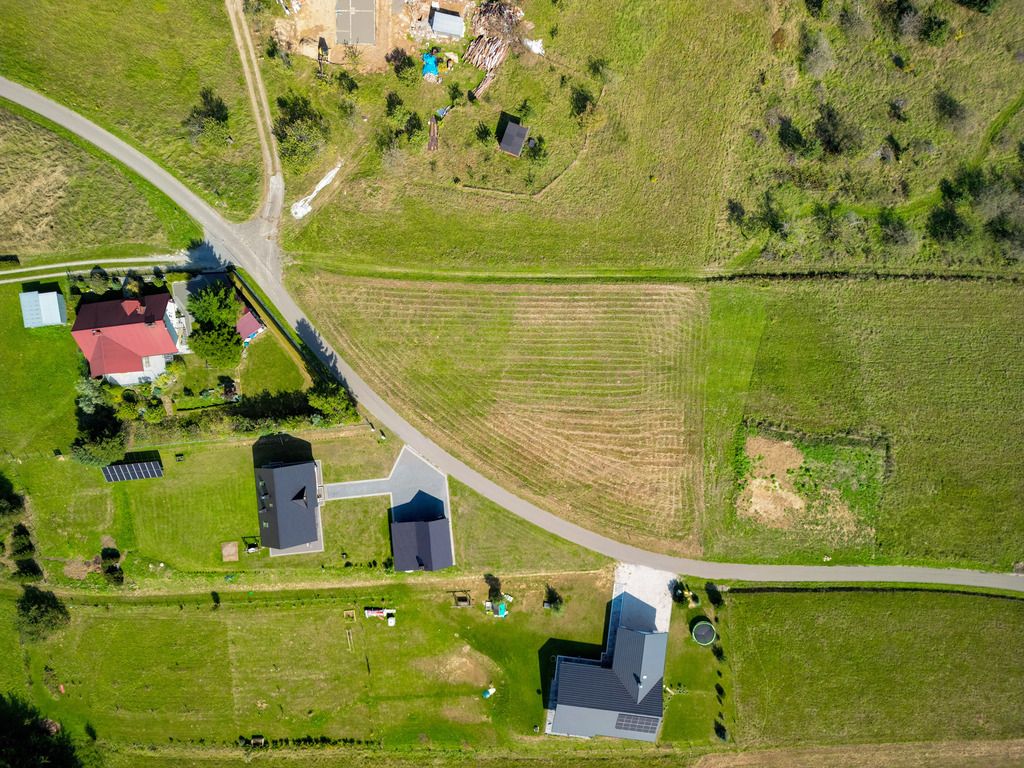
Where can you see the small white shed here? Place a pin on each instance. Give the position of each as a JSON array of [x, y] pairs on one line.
[[39, 309], [447, 23]]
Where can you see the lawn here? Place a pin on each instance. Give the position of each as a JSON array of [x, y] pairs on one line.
[[138, 71], [932, 367], [584, 398], [868, 666], [135, 672], [66, 201], [268, 366], [645, 185]]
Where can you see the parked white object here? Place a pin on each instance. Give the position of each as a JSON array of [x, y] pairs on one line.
[[302, 207], [537, 46]]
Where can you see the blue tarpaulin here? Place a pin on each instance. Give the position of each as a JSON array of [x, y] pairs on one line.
[[430, 64]]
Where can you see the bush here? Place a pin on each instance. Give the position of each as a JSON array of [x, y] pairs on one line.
[[945, 224], [40, 614], [345, 81], [211, 109], [494, 592], [835, 134], [581, 101], [790, 137], [553, 598], [333, 402], [948, 108], [934, 29], [815, 53], [981, 6], [893, 229], [897, 14]]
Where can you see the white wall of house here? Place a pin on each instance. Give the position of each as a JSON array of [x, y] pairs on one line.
[[152, 367]]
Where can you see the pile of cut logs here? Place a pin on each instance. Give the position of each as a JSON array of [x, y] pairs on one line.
[[487, 53]]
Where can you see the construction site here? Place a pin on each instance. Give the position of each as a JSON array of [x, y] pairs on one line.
[[361, 33]]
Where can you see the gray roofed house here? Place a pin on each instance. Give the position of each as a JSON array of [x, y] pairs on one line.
[[421, 535], [620, 696], [289, 497], [43, 308]]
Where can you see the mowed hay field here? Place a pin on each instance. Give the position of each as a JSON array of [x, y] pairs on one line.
[[835, 667], [645, 190], [137, 69], [935, 368], [587, 399], [59, 200]]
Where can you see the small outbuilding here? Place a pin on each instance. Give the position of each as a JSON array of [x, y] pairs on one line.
[[248, 325], [514, 139], [447, 23], [43, 308]]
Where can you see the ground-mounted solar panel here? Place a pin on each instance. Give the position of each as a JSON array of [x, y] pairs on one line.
[[637, 723], [137, 470]]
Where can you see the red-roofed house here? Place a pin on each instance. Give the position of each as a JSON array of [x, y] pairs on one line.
[[127, 341]]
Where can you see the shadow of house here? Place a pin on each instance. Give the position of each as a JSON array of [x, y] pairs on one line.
[[618, 694], [421, 534], [289, 492]]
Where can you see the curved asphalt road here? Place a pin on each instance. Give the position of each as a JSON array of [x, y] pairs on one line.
[[250, 248]]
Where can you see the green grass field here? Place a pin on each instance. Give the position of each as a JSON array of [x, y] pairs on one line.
[[586, 398], [933, 367], [845, 668], [137, 71], [68, 202], [135, 672]]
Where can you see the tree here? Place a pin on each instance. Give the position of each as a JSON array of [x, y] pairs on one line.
[[28, 739], [893, 228], [300, 129], [99, 452], [215, 310], [835, 134], [215, 305], [92, 395], [494, 592], [220, 346], [39, 614], [332, 401]]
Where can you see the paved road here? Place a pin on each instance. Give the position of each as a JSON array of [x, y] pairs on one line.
[[252, 248]]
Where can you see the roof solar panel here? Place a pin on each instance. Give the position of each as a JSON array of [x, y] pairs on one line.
[[138, 470], [637, 723]]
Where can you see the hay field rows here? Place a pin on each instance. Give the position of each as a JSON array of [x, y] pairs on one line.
[[588, 399], [59, 200], [137, 70]]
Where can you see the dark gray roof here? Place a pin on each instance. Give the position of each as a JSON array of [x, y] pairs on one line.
[[421, 545], [513, 139], [287, 504], [639, 660], [595, 687]]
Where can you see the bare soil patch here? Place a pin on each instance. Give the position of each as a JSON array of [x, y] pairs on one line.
[[462, 666], [770, 497]]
